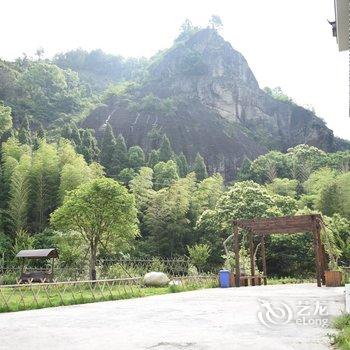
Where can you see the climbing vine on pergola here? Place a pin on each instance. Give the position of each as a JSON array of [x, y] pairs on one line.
[[280, 225]]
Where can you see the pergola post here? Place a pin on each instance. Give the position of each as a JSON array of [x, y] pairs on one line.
[[316, 243], [251, 253], [236, 250], [263, 257], [321, 253]]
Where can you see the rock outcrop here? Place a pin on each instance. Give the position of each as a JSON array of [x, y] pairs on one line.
[[206, 99]]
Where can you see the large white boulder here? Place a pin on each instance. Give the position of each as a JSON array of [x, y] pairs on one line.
[[156, 279]]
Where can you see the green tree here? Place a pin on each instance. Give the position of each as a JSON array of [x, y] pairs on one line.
[[207, 194], [315, 184], [199, 255], [166, 219], [305, 159], [153, 158], [142, 188], [103, 212], [270, 166], [329, 200], [200, 168], [126, 175], [75, 136], [244, 172], [48, 92], [74, 174], [120, 160], [278, 94], [18, 203], [165, 174], [165, 151], [5, 118], [107, 149], [24, 135], [40, 132], [344, 188], [283, 187], [216, 22], [44, 183], [136, 157], [244, 200], [89, 147], [182, 165]]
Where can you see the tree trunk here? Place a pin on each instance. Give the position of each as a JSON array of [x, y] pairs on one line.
[[93, 259]]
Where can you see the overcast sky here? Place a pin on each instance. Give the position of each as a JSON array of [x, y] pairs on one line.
[[286, 43]]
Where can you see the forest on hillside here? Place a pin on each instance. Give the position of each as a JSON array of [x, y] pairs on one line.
[[96, 197]]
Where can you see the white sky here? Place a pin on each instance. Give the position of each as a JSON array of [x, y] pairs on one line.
[[287, 43]]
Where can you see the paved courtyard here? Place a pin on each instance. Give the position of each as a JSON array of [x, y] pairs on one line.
[[207, 319]]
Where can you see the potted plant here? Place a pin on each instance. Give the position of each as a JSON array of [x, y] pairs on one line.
[[333, 275]]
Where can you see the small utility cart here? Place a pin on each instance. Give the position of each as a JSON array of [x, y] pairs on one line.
[[40, 275]]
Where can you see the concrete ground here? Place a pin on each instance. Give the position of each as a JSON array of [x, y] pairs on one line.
[[231, 318]]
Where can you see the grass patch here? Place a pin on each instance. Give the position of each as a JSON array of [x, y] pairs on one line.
[[289, 280], [342, 339]]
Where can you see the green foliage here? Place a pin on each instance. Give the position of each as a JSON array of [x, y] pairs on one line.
[[153, 158], [167, 218], [342, 339], [120, 158], [50, 91], [329, 199], [24, 135], [186, 30], [182, 165], [153, 104], [136, 157], [290, 255], [244, 200], [44, 183], [104, 214], [192, 63], [126, 175], [18, 204], [199, 255], [336, 239], [269, 166], [165, 151], [344, 190], [306, 159], [107, 149], [5, 118], [142, 188], [216, 22], [207, 194], [200, 168], [278, 94], [23, 240], [88, 146], [165, 174], [283, 187], [244, 172]]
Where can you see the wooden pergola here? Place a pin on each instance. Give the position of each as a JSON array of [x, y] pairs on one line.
[[279, 225]]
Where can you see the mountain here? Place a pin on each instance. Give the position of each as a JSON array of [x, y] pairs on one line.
[[202, 94]]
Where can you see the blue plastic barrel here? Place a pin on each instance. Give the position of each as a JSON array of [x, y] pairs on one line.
[[224, 278]]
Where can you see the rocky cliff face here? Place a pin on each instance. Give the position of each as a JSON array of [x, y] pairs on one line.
[[214, 106]]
